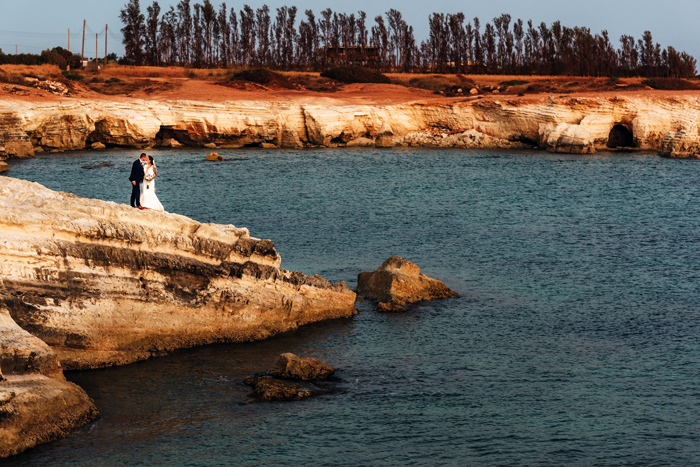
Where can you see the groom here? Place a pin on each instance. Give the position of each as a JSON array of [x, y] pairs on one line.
[[136, 179]]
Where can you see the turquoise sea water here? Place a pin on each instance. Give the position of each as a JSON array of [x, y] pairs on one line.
[[576, 341]]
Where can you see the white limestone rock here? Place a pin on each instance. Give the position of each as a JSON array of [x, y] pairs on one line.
[[106, 284]]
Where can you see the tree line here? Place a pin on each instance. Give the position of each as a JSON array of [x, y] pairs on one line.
[[201, 35]]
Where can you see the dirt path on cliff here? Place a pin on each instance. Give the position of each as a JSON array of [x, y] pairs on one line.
[[354, 94]]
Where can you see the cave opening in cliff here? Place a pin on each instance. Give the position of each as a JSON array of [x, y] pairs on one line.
[[620, 137]]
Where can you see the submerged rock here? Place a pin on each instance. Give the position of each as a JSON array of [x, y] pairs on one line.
[[214, 156], [290, 379], [398, 282], [267, 388], [101, 165], [291, 366]]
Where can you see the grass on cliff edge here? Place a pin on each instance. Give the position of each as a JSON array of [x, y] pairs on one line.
[[262, 77], [15, 74], [671, 84], [355, 74]]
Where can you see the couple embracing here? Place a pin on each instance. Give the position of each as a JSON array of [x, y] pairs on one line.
[[143, 184]]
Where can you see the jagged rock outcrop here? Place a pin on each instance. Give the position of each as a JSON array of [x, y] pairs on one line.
[[293, 378], [14, 141], [385, 137], [681, 145], [398, 282], [106, 284], [37, 404], [559, 124], [292, 366], [591, 133]]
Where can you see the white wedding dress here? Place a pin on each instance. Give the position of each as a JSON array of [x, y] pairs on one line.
[[148, 192]]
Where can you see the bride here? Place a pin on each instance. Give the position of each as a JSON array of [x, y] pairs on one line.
[[149, 200]]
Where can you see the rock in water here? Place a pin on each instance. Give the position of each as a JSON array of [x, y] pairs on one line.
[[105, 284], [267, 389], [214, 156], [4, 167], [291, 366], [37, 404], [290, 379], [398, 282]]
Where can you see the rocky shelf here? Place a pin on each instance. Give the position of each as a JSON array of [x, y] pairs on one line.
[[565, 124], [88, 283]]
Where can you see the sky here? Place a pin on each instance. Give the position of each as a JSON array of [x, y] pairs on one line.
[[34, 25]]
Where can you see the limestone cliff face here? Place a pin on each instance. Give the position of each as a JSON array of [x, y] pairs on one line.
[[37, 404], [558, 124], [107, 284]]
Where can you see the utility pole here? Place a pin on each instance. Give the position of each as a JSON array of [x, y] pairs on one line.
[[82, 52], [105, 64], [68, 39], [16, 50], [96, 56]]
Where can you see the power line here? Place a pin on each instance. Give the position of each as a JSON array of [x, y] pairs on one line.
[[30, 34], [74, 37], [23, 46], [56, 35]]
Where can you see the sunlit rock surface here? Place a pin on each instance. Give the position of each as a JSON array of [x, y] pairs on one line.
[[37, 404], [398, 282], [558, 124], [106, 284]]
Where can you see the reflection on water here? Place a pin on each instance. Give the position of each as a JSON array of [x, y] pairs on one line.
[[574, 342]]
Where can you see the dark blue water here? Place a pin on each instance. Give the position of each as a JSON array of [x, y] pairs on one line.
[[576, 341]]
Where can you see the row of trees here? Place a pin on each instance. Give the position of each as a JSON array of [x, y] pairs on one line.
[[201, 35]]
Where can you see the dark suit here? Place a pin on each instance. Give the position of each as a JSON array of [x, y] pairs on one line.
[[136, 176]]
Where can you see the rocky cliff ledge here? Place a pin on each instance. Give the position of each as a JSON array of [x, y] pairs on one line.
[[37, 404], [106, 284], [558, 124]]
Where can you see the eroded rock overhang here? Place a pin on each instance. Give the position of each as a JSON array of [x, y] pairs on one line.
[[558, 124]]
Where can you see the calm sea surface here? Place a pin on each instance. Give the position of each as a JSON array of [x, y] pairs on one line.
[[576, 341]]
